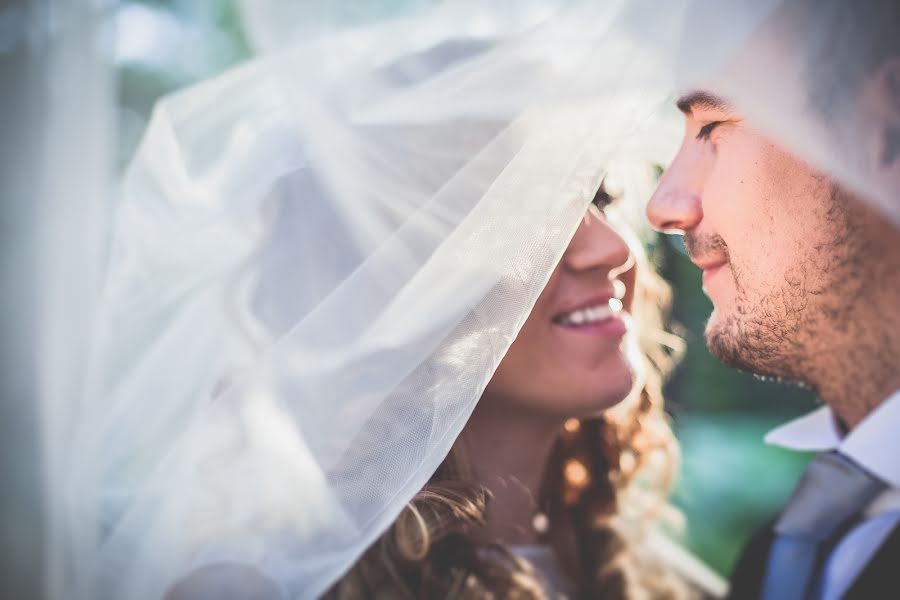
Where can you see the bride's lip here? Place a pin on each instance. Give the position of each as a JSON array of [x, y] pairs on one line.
[[611, 324], [598, 300], [614, 327]]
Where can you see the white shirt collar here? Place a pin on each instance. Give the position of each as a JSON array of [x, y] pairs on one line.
[[874, 443]]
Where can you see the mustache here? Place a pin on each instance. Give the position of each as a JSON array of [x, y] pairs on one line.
[[705, 245]]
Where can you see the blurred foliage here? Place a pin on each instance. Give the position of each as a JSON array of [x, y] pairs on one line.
[[164, 45], [731, 482]]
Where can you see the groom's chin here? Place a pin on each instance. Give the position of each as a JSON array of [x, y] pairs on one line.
[[737, 346], [722, 340]]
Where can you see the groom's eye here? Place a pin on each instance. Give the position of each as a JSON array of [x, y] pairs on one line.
[[707, 129]]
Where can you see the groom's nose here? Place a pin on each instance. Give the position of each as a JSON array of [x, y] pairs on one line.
[[676, 206]]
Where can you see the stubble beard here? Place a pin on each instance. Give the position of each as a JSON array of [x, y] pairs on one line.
[[766, 336], [782, 332]]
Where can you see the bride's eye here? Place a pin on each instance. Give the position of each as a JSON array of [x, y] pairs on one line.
[[707, 129], [602, 199]]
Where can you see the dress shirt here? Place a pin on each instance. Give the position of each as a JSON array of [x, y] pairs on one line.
[[875, 445]]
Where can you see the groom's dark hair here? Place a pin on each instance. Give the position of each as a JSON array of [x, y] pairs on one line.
[[844, 43]]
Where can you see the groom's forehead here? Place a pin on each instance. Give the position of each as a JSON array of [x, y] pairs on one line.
[[693, 100]]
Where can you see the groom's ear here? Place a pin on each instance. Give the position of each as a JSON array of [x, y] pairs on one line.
[[884, 88]]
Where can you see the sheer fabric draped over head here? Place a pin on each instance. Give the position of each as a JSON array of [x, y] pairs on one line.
[[819, 77], [320, 257]]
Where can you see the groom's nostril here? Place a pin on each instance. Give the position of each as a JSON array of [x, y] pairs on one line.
[[671, 227], [674, 212]]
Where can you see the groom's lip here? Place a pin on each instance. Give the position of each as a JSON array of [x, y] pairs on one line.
[[710, 269], [709, 273], [710, 264]]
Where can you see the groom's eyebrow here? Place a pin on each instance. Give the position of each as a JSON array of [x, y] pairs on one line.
[[700, 99]]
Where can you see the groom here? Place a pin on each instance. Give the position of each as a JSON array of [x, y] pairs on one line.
[[805, 282]]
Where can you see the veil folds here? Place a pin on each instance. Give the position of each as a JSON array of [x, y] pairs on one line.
[[320, 257], [820, 78]]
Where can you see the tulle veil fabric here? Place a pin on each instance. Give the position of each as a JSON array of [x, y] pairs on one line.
[[319, 258]]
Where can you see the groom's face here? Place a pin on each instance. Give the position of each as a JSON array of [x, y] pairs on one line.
[[774, 239]]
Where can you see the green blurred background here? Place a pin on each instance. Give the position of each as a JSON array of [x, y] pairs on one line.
[[730, 483]]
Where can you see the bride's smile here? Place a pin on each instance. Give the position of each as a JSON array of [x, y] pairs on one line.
[[571, 354]]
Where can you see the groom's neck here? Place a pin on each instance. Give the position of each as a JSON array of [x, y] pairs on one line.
[[854, 398], [859, 368]]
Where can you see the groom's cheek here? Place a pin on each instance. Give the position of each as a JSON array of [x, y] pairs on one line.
[[740, 197]]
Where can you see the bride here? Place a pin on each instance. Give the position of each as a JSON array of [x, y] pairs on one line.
[[543, 494], [303, 365]]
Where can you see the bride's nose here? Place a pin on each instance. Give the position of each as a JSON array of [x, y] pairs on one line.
[[596, 245]]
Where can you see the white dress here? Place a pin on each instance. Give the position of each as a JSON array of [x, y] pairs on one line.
[[557, 584]]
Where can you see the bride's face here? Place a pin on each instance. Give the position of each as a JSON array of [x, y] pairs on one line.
[[569, 359]]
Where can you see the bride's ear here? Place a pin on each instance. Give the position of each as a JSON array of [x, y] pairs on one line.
[[225, 581]]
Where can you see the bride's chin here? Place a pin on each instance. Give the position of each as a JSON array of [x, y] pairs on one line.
[[621, 382], [610, 385]]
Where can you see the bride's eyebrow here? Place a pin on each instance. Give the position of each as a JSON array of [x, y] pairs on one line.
[[703, 100]]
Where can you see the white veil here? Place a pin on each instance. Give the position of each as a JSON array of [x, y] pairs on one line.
[[820, 77], [320, 257]]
